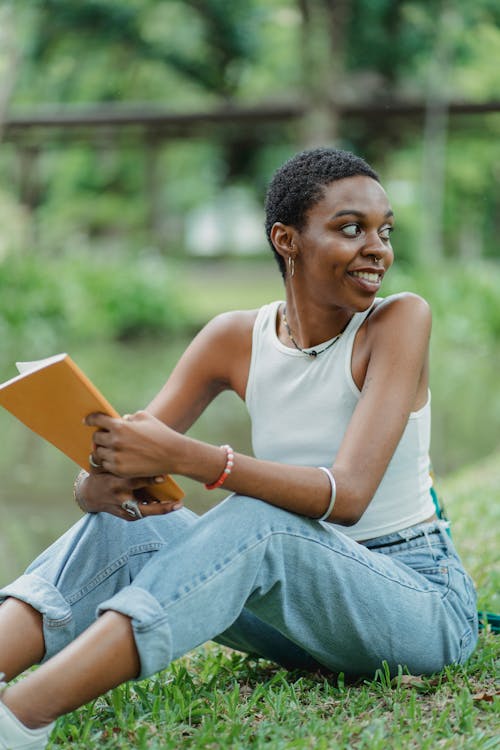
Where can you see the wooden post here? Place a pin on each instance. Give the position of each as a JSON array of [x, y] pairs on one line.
[[153, 182], [9, 61], [435, 139], [29, 185]]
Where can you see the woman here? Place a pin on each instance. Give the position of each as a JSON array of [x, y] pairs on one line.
[[328, 553]]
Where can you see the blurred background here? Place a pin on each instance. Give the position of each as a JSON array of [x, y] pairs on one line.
[[136, 141]]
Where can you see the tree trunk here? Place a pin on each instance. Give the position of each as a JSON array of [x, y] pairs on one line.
[[9, 59], [435, 138], [322, 41]]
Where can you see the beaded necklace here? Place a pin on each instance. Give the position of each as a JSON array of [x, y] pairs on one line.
[[310, 352]]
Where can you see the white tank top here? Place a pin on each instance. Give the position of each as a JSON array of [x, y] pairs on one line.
[[300, 407]]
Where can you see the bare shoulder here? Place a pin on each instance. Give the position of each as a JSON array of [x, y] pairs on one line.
[[396, 331], [230, 328], [223, 349], [402, 312], [217, 359], [234, 320]]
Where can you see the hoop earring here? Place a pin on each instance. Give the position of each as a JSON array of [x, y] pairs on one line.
[[291, 266]]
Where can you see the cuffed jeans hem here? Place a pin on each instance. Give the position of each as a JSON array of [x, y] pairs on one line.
[[149, 624], [58, 624]]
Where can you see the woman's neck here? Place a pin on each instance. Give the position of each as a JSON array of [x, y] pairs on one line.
[[310, 324]]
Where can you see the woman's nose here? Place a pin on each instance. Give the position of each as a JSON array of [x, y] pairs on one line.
[[374, 245]]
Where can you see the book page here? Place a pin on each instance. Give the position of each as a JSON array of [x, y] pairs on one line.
[[37, 364]]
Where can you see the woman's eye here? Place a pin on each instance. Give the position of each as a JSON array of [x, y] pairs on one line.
[[385, 232], [351, 230]]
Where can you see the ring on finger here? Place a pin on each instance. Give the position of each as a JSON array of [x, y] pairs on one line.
[[132, 508], [93, 463]]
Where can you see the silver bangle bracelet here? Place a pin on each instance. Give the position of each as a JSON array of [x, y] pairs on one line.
[[76, 490], [332, 495]]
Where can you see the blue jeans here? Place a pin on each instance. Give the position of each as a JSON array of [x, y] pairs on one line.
[[261, 580]]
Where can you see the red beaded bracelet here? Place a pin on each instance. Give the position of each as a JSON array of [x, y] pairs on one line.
[[225, 471]]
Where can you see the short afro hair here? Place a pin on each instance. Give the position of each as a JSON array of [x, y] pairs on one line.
[[299, 184]]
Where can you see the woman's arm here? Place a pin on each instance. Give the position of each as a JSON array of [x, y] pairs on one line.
[[217, 359], [395, 383], [393, 351]]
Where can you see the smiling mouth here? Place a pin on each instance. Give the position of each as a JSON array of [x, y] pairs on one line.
[[367, 276]]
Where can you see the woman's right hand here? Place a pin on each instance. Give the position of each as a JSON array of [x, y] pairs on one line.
[[101, 492]]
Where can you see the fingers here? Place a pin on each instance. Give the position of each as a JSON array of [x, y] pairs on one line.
[[94, 466], [108, 493], [141, 504], [105, 422], [131, 507], [109, 443], [101, 421], [102, 438], [109, 460], [131, 446], [132, 510]]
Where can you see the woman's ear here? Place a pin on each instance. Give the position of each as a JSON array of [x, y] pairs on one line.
[[282, 237]]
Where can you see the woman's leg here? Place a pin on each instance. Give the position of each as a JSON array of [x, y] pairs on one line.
[[347, 607], [57, 597], [101, 658], [21, 637], [253, 636], [105, 654]]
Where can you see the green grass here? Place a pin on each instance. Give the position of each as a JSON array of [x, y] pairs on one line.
[[215, 698], [219, 699]]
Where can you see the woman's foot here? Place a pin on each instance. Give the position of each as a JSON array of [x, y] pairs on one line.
[[14, 735]]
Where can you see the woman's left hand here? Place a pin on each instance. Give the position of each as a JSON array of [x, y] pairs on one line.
[[137, 445]]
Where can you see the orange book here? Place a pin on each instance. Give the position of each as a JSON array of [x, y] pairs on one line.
[[52, 397]]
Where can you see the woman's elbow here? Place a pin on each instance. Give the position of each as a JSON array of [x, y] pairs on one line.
[[344, 520], [349, 509]]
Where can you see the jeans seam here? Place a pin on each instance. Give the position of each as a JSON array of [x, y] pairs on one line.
[[59, 623], [98, 578], [139, 549], [111, 568]]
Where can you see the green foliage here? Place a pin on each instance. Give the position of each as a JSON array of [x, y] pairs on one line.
[[463, 297], [31, 302], [221, 36], [410, 29], [472, 198], [125, 300], [44, 302]]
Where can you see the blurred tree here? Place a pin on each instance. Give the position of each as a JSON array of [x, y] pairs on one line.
[[214, 63], [205, 42], [407, 49], [201, 53]]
